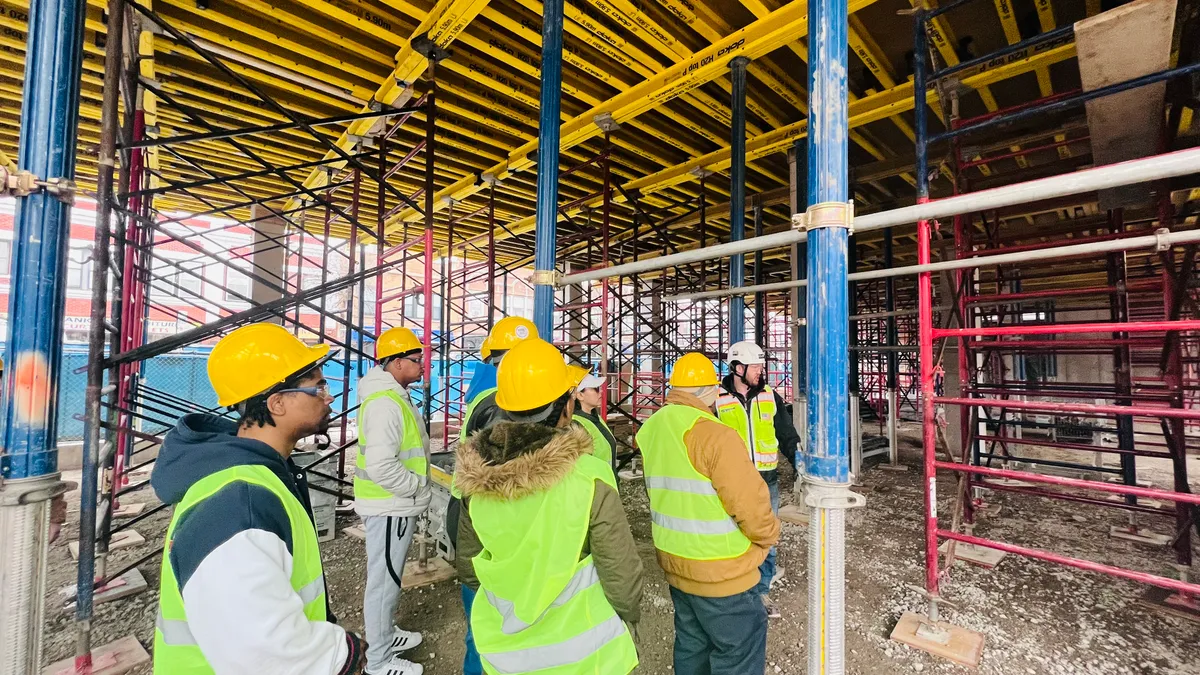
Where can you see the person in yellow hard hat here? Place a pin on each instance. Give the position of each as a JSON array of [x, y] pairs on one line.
[[587, 415], [391, 490], [711, 519], [504, 336], [543, 534], [242, 588]]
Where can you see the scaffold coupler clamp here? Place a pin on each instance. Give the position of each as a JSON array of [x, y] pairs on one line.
[[24, 183], [1162, 240], [823, 495], [546, 277], [825, 214]]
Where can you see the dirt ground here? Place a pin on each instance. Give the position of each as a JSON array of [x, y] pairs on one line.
[[1037, 617]]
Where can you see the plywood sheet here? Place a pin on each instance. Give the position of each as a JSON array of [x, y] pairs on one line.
[[1113, 47]]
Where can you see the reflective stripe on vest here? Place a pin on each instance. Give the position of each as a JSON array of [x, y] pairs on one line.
[[601, 448], [540, 608], [755, 424], [175, 648], [687, 517], [411, 452]]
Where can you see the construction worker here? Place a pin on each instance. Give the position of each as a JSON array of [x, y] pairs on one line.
[[391, 490], [760, 417], [712, 526], [242, 589], [504, 336], [587, 415], [543, 533]]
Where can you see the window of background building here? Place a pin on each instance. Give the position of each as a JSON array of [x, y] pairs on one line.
[[5, 256], [79, 267], [237, 282], [414, 306]]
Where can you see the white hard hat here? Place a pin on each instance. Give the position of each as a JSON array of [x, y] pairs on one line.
[[590, 382], [748, 353]]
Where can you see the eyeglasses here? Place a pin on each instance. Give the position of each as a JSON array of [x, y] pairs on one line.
[[419, 361], [320, 391]]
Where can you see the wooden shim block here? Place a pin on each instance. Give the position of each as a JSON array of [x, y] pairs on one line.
[[356, 531], [129, 583], [976, 555], [113, 658], [794, 514], [964, 646], [1170, 602], [435, 570], [1141, 535], [129, 509], [122, 539]]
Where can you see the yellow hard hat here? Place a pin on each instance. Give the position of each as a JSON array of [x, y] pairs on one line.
[[531, 375], [693, 370], [254, 358], [398, 340], [506, 334], [576, 373]]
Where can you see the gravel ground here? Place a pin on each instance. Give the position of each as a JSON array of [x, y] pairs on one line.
[[1037, 618]]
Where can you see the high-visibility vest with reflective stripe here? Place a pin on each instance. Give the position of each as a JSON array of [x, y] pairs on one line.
[[602, 449], [539, 607], [411, 451], [462, 433], [755, 424], [175, 650], [687, 518]]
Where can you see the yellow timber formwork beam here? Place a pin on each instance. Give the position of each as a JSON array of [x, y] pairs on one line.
[[863, 111], [759, 38], [441, 26]]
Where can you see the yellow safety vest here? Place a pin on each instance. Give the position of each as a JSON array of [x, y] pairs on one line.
[[756, 425], [602, 449], [539, 607], [462, 433], [411, 451], [687, 518], [175, 650]]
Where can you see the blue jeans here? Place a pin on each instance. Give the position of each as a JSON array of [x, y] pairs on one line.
[[471, 663], [767, 568], [719, 636]]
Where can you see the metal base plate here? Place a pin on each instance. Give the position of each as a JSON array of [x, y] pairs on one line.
[[960, 645], [794, 514], [433, 571], [1140, 535], [113, 658], [1171, 602]]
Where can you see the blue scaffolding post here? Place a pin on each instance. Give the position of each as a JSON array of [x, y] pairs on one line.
[[737, 195], [828, 221], [29, 458], [547, 178]]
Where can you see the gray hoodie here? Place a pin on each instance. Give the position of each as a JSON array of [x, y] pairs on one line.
[[384, 429]]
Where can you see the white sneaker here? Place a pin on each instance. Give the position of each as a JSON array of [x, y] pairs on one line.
[[777, 577], [404, 640], [397, 666]]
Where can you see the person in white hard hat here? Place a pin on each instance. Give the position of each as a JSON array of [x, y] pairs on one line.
[[588, 398], [760, 417]]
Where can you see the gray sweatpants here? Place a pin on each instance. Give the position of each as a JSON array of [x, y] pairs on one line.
[[388, 539]]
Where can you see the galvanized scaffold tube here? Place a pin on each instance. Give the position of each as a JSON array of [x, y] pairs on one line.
[[826, 464], [29, 476]]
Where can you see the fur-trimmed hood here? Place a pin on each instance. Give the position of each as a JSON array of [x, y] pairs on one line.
[[511, 459]]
